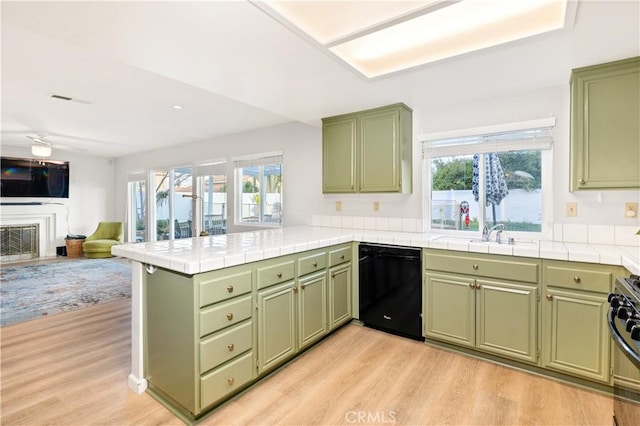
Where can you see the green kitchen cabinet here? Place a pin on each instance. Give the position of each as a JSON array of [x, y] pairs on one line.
[[605, 126], [339, 147], [368, 151], [340, 289], [574, 323], [312, 308], [210, 335], [494, 309], [199, 336], [276, 325]]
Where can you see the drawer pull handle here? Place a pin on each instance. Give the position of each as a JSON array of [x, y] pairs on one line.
[[230, 289], [229, 316], [315, 264], [576, 279], [475, 266], [230, 347], [279, 274], [230, 380], [549, 297]]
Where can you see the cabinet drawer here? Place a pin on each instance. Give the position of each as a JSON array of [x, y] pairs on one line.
[[309, 264], [339, 256], [524, 270], [578, 277], [279, 273], [219, 289], [223, 346], [226, 379], [224, 314]]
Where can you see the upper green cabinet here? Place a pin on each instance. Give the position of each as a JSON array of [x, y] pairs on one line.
[[605, 126], [368, 151]]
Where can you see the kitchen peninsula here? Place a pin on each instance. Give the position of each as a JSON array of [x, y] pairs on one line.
[[248, 277]]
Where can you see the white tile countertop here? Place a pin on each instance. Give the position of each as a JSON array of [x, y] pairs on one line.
[[203, 254]]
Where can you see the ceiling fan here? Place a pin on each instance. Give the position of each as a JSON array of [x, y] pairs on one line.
[[40, 147]]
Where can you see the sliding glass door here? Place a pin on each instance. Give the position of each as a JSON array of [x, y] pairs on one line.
[[137, 207], [174, 203]]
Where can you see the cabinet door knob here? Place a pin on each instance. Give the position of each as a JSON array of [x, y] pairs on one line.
[[302, 286], [333, 274], [315, 264], [549, 297], [230, 347], [576, 279], [472, 285], [475, 266], [230, 289], [342, 257], [279, 274], [229, 316], [581, 181], [230, 381]]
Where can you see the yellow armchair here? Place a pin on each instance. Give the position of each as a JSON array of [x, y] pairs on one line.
[[107, 235]]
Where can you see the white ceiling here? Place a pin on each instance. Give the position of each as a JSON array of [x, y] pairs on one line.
[[234, 68]]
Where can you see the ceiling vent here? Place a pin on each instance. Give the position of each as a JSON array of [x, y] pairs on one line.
[[69, 99], [64, 98]]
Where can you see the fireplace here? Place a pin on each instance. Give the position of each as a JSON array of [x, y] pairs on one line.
[[19, 242]]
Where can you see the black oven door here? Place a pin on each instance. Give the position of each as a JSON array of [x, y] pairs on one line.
[[626, 375]]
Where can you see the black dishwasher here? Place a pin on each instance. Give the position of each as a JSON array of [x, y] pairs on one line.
[[390, 283]]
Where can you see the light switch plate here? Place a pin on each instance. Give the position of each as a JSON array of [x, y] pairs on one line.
[[376, 206], [338, 206], [572, 209]]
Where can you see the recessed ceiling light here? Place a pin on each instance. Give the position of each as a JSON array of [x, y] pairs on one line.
[[177, 107], [416, 33]]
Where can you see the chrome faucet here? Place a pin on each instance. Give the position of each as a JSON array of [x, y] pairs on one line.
[[486, 232]]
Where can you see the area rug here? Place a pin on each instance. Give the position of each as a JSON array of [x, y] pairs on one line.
[[32, 291]]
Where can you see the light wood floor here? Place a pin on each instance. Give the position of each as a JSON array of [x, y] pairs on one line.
[[71, 369]]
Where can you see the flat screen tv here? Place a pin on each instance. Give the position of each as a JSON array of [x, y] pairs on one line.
[[26, 177]]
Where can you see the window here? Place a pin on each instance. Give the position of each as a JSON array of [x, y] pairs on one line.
[[259, 190], [212, 178], [492, 177]]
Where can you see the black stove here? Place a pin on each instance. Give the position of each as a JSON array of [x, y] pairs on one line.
[[624, 324]]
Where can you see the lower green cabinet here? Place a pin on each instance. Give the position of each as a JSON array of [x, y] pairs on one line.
[[577, 339], [574, 319], [488, 315], [209, 335], [277, 325], [339, 295], [483, 302], [312, 309]]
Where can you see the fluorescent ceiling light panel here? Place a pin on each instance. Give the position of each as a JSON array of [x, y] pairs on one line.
[[409, 34], [328, 21]]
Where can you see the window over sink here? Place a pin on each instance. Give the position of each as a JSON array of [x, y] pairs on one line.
[[488, 176]]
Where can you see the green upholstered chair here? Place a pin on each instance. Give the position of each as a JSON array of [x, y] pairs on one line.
[[98, 244]]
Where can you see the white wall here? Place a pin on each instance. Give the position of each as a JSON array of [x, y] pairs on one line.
[[302, 166], [302, 145], [91, 193]]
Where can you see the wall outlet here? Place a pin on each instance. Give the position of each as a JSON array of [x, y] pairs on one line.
[[338, 206], [631, 210], [376, 206], [572, 209]]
